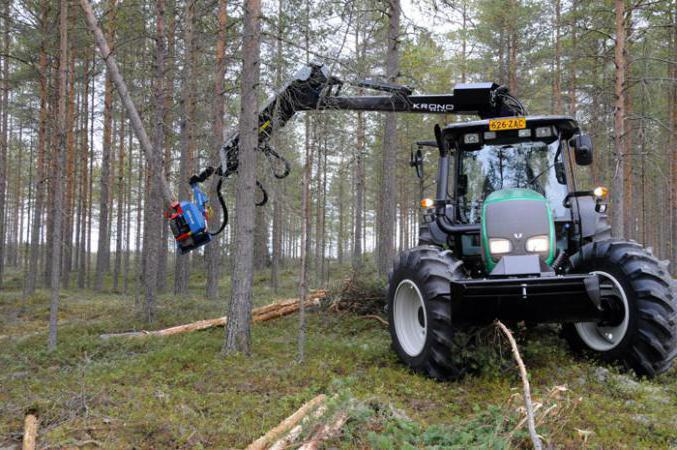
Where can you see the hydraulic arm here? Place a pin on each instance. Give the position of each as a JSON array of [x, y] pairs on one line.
[[313, 88]]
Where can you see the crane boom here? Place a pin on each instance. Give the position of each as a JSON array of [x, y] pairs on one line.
[[313, 88]]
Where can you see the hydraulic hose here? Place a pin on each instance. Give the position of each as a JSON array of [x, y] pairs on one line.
[[224, 208]]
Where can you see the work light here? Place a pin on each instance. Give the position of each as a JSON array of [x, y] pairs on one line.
[[471, 138], [538, 244], [427, 203], [542, 132], [601, 192]]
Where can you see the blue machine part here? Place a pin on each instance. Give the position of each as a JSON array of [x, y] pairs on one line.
[[189, 223], [194, 218]]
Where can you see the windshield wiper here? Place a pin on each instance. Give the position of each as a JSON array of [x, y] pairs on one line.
[[540, 173]]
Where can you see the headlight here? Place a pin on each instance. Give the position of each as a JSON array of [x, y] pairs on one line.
[[538, 244], [499, 246]]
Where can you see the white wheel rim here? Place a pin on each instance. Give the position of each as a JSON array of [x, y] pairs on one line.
[[602, 338], [408, 313]]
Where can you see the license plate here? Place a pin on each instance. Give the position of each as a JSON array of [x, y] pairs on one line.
[[513, 123]]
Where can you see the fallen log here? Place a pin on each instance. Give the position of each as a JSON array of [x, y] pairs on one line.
[[287, 424], [30, 432], [262, 314], [286, 441], [326, 431], [284, 311]]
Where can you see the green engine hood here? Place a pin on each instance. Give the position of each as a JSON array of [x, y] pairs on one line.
[[516, 214]]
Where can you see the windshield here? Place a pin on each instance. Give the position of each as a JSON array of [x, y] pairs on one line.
[[529, 165]]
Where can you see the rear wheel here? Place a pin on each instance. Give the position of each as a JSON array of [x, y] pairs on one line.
[[419, 312], [642, 331]]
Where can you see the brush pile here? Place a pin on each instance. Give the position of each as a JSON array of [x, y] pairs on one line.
[[361, 296]]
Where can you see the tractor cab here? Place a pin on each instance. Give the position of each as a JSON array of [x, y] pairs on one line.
[[505, 187]]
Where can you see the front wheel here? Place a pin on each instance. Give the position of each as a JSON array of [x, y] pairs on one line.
[[419, 312], [641, 332]]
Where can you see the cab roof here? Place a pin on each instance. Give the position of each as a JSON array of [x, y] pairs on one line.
[[566, 124]]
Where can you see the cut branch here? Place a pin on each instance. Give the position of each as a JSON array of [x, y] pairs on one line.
[[287, 424], [525, 383], [287, 440], [30, 432], [326, 432]]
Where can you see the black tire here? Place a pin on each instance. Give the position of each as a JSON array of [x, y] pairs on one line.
[[425, 237], [649, 344], [430, 269]]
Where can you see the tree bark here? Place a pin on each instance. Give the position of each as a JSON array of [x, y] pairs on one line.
[[84, 178], [672, 146], [619, 121], [629, 207], [186, 165], [169, 66], [117, 267], [238, 335], [57, 175], [574, 57], [386, 248], [103, 248], [557, 77], [212, 251], [67, 258], [277, 200], [3, 136]]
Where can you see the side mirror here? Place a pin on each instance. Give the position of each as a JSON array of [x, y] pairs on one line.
[[582, 145], [416, 161], [462, 185]]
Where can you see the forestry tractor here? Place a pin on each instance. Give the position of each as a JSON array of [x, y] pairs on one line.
[[509, 234]]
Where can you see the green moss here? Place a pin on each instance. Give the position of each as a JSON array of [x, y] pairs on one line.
[[180, 391]]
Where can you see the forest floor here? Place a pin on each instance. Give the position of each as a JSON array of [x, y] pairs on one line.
[[180, 392]]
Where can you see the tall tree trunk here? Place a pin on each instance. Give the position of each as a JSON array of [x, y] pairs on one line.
[[160, 190], [386, 248], [261, 257], [628, 151], [341, 236], [34, 259], [672, 145], [574, 58], [59, 156], [128, 218], [103, 248], [512, 37], [117, 267], [238, 336], [557, 77], [3, 135], [619, 121], [212, 252], [186, 165], [168, 132], [70, 176], [152, 229], [90, 187], [277, 200], [359, 194]]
